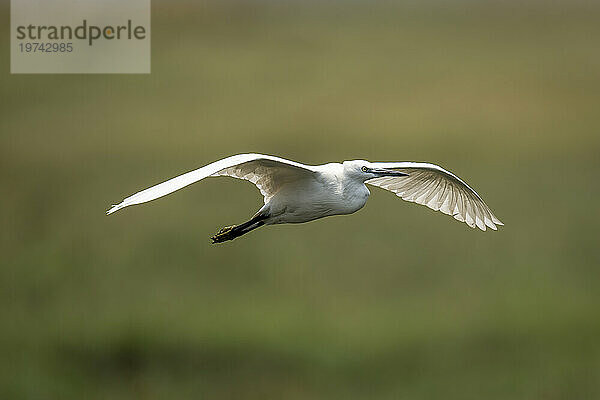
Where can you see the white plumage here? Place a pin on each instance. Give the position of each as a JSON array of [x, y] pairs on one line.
[[294, 192]]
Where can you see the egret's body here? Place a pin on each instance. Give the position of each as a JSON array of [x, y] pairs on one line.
[[295, 193], [327, 192]]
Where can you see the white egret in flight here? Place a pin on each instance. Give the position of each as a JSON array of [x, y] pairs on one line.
[[295, 192]]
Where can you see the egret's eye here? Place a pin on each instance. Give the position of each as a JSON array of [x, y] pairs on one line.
[[364, 169]]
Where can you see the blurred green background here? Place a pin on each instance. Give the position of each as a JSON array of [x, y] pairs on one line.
[[396, 301]]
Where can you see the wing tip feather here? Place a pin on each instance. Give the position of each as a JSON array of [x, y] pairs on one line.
[[114, 208]]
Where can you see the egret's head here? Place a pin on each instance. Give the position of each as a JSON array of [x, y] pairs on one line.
[[363, 170]]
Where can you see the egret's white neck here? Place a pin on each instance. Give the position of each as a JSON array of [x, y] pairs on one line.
[[355, 193]]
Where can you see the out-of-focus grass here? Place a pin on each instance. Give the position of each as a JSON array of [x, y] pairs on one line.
[[394, 302]]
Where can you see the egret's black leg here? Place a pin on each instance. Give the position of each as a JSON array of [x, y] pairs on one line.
[[231, 232]]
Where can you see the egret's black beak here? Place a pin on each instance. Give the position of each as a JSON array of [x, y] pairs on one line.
[[386, 172]]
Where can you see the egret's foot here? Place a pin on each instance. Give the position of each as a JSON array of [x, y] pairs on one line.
[[224, 235]]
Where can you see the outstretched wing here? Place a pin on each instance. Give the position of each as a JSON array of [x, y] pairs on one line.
[[268, 173], [438, 189]]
